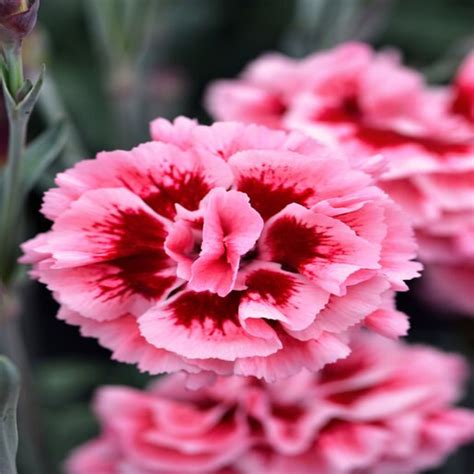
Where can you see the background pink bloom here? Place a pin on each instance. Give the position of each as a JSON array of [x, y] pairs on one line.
[[365, 103], [387, 408], [230, 249]]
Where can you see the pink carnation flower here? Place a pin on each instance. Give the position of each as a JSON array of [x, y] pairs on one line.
[[228, 249], [386, 409], [366, 103]]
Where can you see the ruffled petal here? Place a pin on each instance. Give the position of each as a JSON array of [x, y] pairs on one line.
[[161, 174], [203, 325], [342, 312], [231, 228], [321, 248], [274, 179], [107, 255], [278, 295], [293, 357]]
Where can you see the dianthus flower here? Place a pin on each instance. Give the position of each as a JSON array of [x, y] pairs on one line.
[[364, 103], [386, 409], [229, 249]]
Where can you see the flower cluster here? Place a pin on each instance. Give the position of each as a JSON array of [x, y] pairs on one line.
[[363, 102], [387, 409], [228, 249]]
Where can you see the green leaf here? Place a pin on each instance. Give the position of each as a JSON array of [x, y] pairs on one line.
[[28, 101], [41, 154], [9, 393], [24, 91]]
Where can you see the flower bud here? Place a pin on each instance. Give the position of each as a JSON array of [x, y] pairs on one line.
[[17, 19]]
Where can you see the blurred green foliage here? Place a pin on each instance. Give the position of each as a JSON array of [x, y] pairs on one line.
[[66, 386]]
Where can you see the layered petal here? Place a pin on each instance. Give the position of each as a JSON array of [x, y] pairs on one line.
[[321, 248], [107, 255], [203, 325], [231, 228], [273, 180], [273, 294], [161, 174]]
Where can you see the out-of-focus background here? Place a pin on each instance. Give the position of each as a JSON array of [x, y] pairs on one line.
[[115, 64]]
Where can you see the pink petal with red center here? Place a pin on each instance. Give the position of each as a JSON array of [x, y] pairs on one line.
[[231, 228], [161, 174], [278, 295], [108, 256], [104, 291], [123, 338], [274, 179], [203, 325], [321, 248], [104, 225], [345, 311], [293, 357]]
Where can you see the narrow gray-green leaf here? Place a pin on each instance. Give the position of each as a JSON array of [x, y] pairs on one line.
[[9, 393], [41, 154], [25, 106]]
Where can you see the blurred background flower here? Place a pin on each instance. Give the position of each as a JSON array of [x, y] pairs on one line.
[[113, 65], [386, 409]]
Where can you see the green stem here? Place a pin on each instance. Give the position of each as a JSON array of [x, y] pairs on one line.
[[14, 65], [9, 392], [20, 97], [13, 346], [11, 190]]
